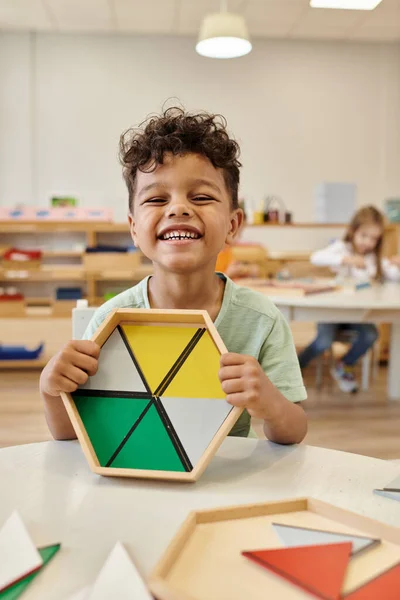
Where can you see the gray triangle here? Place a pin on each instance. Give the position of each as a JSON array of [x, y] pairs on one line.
[[388, 494], [291, 536], [117, 372], [393, 485], [196, 421]]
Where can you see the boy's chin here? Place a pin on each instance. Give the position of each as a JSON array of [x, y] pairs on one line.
[[181, 267]]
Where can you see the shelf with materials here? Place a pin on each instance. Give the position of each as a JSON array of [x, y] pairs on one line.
[[65, 242]]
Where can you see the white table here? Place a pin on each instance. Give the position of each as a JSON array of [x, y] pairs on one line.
[[60, 500], [380, 304]]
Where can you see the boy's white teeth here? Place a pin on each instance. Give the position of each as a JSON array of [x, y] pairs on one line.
[[180, 235]]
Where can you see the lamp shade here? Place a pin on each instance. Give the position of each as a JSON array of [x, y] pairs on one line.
[[223, 35]]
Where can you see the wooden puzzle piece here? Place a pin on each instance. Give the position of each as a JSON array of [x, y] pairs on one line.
[[385, 586], [96, 414], [15, 591], [291, 536], [393, 486], [316, 569], [19, 556], [117, 370], [157, 348], [190, 381], [118, 579], [195, 421], [152, 446], [387, 494]]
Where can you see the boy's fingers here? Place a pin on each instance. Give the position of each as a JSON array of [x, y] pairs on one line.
[[85, 362], [230, 358], [66, 385], [233, 372], [237, 399], [232, 386], [76, 375], [86, 347]]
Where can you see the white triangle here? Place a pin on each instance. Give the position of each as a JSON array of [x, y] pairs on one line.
[[116, 371], [119, 578], [393, 485], [18, 554], [196, 421], [291, 536], [387, 494]]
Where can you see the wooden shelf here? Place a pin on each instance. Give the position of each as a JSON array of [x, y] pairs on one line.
[[63, 253], [45, 274], [111, 228], [23, 364], [62, 227]]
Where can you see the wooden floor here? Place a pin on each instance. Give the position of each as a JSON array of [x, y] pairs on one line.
[[366, 423]]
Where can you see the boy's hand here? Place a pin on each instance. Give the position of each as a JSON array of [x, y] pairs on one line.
[[356, 261], [70, 367], [395, 260], [245, 383]]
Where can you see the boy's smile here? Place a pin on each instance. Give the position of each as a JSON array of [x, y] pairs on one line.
[[179, 234], [182, 214]]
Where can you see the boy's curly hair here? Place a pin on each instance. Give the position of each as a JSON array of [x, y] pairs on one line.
[[179, 132]]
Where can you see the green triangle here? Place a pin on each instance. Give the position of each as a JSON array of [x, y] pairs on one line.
[[15, 591], [107, 420], [149, 447]]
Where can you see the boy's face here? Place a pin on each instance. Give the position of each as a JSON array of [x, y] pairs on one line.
[[182, 215]]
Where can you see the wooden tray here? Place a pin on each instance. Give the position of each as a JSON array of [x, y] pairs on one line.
[[204, 561]]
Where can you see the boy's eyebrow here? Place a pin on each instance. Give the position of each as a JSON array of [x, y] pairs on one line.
[[206, 182], [194, 182]]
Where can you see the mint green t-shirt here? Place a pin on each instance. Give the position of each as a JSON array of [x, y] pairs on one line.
[[248, 323]]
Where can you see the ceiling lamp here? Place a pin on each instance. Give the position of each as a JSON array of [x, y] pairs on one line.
[[223, 35], [346, 4]]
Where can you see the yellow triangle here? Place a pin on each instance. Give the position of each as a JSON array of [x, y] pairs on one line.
[[198, 376], [156, 348]]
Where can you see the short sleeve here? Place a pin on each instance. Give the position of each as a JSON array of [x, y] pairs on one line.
[[279, 361]]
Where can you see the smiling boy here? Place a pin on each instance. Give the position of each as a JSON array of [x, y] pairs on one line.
[[182, 174]]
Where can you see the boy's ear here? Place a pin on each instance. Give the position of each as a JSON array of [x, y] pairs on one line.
[[236, 224], [132, 228]]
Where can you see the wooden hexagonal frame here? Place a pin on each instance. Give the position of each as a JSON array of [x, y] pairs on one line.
[[160, 409]]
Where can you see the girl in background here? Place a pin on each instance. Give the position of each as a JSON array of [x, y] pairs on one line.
[[358, 255]]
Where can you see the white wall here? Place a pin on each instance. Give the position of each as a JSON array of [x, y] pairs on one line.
[[16, 120], [304, 112]]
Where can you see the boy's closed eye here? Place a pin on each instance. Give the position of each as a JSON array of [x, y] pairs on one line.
[[195, 199]]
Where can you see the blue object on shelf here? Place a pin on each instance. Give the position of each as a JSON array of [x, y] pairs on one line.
[[72, 293], [105, 248], [20, 352], [362, 285]]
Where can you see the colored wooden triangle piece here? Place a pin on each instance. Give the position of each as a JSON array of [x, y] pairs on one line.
[[394, 485], [291, 536], [16, 590], [19, 556], [316, 569], [385, 586], [387, 494]]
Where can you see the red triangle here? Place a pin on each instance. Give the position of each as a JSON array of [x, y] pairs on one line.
[[317, 569], [384, 587]]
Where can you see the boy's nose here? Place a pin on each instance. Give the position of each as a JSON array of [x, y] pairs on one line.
[[179, 209]]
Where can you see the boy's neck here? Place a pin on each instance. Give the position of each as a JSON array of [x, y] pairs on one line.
[[198, 291]]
